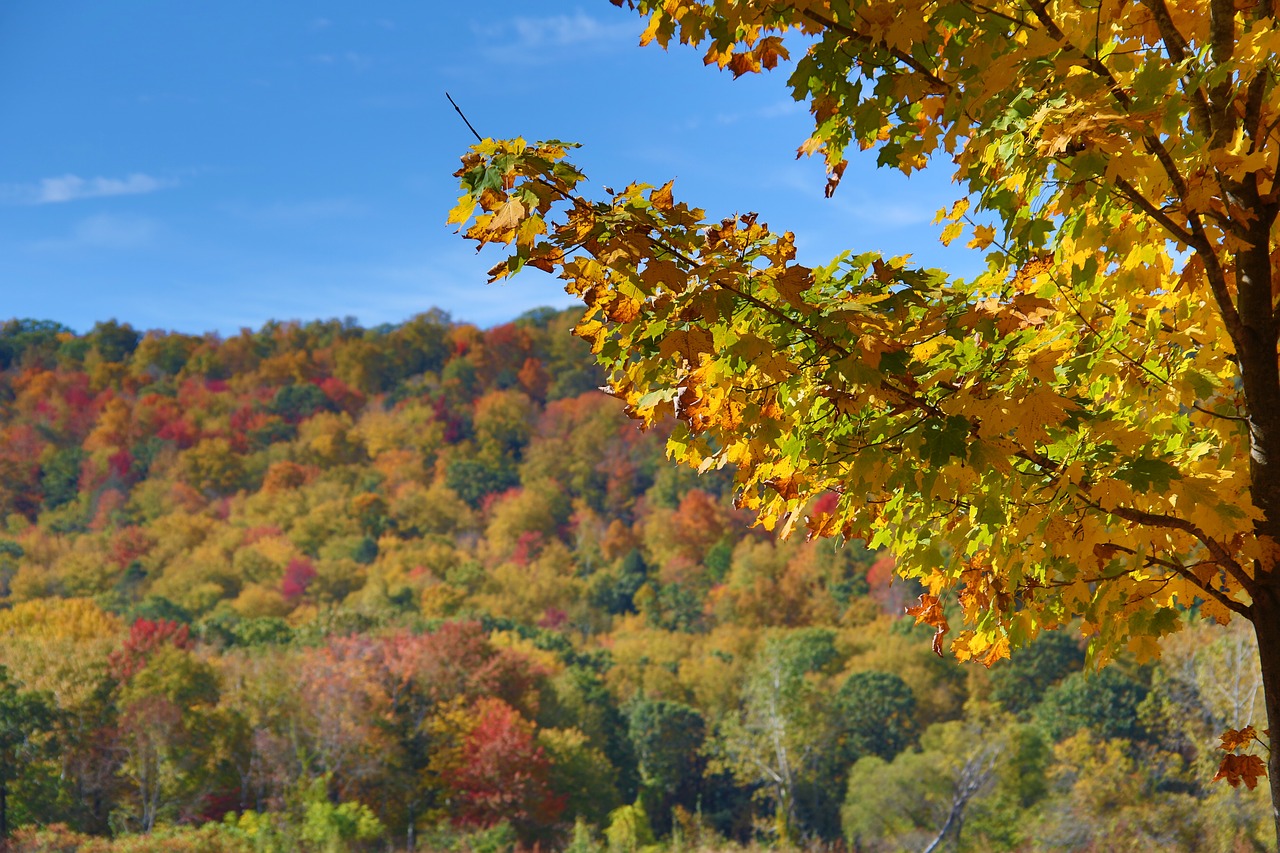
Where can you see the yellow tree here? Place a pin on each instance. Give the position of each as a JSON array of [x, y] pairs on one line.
[[1089, 429]]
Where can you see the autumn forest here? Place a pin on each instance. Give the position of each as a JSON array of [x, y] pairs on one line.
[[424, 586]]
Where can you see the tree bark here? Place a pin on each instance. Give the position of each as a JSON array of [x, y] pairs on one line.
[[1266, 626], [1260, 379]]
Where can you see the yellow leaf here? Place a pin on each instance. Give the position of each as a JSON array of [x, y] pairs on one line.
[[508, 216], [983, 236], [689, 343], [462, 212], [792, 284], [951, 232]]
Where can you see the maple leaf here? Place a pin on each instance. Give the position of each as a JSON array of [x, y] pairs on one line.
[[1241, 768], [792, 284], [1233, 739], [661, 198], [928, 611], [689, 343]]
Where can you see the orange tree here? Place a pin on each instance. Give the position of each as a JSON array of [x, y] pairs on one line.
[[1089, 429]]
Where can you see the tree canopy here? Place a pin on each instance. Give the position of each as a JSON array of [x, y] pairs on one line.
[[1087, 430]]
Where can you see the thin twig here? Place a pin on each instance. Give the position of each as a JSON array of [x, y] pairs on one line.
[[464, 117]]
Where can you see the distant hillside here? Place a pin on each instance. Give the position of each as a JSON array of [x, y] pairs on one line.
[[325, 587]]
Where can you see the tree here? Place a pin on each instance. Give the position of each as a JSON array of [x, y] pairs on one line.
[[166, 726], [1020, 684], [23, 717], [877, 715], [668, 738], [783, 731], [494, 768], [1106, 702], [1090, 428], [922, 798]]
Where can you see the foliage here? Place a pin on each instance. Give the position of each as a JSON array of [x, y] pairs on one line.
[[877, 713], [216, 662], [1088, 429], [24, 717], [1019, 683], [1105, 702]]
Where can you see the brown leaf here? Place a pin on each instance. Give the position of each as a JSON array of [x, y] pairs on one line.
[[884, 272], [784, 486], [1241, 768], [661, 197], [743, 63], [793, 282], [929, 612], [770, 50], [833, 179], [508, 216], [688, 342], [1103, 552], [1233, 739], [664, 274]]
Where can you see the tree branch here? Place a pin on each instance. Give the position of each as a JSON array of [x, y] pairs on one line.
[[906, 59], [1179, 51], [1170, 522], [464, 117]]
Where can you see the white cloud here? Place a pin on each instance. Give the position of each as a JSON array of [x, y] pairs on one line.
[[358, 61], [566, 30], [780, 109], [105, 231], [73, 188], [525, 40]]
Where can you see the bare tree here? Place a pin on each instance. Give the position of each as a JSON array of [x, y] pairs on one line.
[[975, 776]]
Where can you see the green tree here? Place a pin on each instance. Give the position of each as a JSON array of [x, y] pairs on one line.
[[167, 726], [1020, 683], [876, 713], [24, 717], [1105, 702], [667, 738], [114, 342], [922, 798], [1088, 428], [782, 735]]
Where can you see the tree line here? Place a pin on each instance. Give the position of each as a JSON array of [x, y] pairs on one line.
[[322, 587]]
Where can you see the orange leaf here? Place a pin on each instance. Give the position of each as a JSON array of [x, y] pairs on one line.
[[661, 197], [1233, 739], [793, 282], [929, 612], [688, 342], [1241, 768]]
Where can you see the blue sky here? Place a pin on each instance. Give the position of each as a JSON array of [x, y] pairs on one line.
[[207, 166]]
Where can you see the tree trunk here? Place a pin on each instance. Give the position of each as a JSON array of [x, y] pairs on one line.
[[1266, 625], [946, 828]]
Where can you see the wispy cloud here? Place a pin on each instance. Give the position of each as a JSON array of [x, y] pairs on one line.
[[780, 109], [105, 231], [320, 24], [74, 188], [358, 61], [525, 39]]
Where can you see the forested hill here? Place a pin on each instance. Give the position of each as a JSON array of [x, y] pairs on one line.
[[325, 587]]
